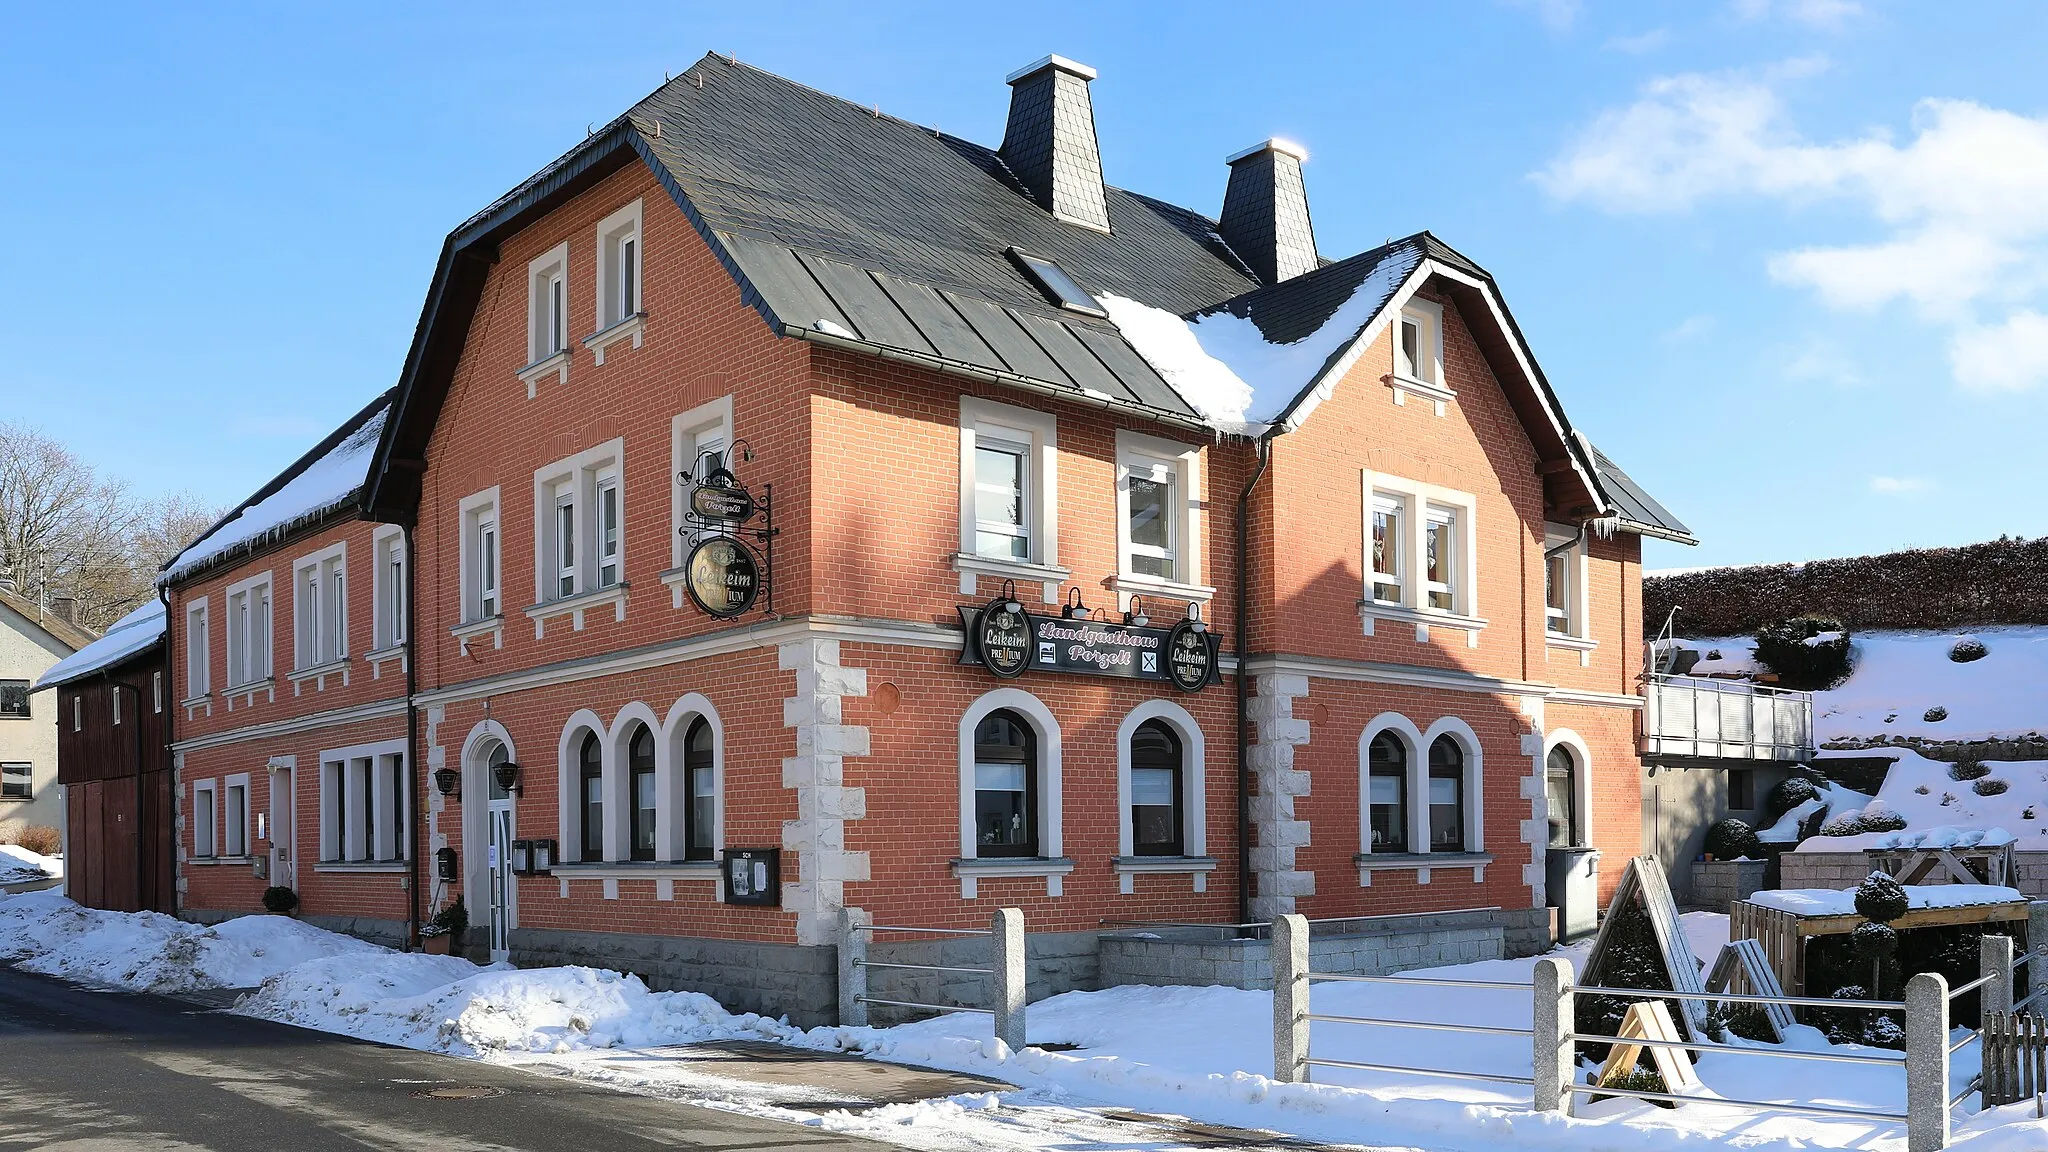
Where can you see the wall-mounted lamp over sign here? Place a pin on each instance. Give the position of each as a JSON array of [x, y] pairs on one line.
[[1074, 608], [1136, 616]]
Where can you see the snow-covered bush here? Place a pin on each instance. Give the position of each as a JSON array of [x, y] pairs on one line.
[[1879, 819], [1846, 824], [1790, 793], [1807, 652], [1966, 649], [1935, 715], [1990, 786], [1733, 839], [1874, 941], [1880, 898], [1968, 770]]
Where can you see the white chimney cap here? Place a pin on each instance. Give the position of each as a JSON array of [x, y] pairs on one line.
[[1276, 144], [1060, 62]]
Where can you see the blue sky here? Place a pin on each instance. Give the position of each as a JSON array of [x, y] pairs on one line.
[[1783, 259]]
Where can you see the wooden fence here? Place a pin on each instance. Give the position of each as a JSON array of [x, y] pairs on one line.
[[2015, 1057]]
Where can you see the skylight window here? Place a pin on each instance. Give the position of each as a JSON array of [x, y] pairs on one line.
[[1057, 284]]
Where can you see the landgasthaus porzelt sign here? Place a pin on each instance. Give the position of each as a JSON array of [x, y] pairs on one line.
[[1009, 641]]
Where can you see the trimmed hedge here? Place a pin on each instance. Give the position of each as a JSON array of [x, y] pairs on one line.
[[2002, 581]]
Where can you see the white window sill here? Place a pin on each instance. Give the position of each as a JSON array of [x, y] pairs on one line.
[[972, 566], [632, 326], [492, 626], [1420, 863], [242, 860], [1130, 583], [203, 700], [380, 655], [252, 686], [558, 364], [575, 606], [1423, 388], [1422, 619], [1127, 867], [319, 671], [970, 872], [1575, 643], [378, 866], [708, 870]]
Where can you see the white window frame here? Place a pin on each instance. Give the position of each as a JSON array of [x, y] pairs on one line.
[[1416, 500], [354, 782], [26, 766], [1428, 380], [607, 539], [234, 839], [156, 690], [1051, 863], [1582, 781], [320, 608], [114, 704], [617, 320], [387, 607], [705, 428], [1473, 799], [1451, 566], [1578, 610], [198, 680], [481, 603], [1037, 432], [1396, 507], [205, 819], [1183, 465], [548, 306], [252, 645], [573, 482], [77, 713], [1194, 809]]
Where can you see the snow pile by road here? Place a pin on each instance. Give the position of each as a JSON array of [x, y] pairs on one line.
[[18, 865]]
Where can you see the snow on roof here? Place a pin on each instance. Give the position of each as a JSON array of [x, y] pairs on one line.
[[1226, 368], [318, 485], [1829, 902], [130, 634]]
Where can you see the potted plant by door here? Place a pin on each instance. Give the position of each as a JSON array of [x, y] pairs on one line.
[[445, 928]]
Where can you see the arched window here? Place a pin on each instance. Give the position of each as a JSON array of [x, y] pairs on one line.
[[1446, 796], [1156, 765], [640, 778], [1561, 793], [1387, 790], [590, 774], [1005, 786], [700, 785]]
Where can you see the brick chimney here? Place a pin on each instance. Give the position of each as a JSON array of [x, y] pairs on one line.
[[1265, 211], [1050, 140]]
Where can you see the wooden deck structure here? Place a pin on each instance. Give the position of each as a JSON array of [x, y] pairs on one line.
[[1993, 865], [1783, 934]]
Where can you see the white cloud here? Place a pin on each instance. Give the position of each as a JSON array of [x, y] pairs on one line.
[[1820, 362], [1825, 14], [1959, 211], [1640, 43], [1899, 485], [2008, 357]]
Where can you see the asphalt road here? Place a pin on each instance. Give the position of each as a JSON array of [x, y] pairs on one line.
[[85, 1071]]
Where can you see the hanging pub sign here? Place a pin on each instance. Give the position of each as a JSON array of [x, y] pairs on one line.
[[720, 497], [1010, 643], [722, 576]]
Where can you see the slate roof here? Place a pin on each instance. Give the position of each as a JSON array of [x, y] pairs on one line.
[[844, 225], [1639, 510]]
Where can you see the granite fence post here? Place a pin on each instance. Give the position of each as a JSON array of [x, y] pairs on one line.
[[1290, 999], [2037, 942], [853, 972], [1556, 1006], [1008, 975], [1994, 959], [1927, 1063]]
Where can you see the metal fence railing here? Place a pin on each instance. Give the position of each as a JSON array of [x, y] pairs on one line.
[[1005, 971], [1725, 719]]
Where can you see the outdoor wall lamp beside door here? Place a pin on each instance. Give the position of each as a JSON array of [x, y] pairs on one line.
[[507, 776]]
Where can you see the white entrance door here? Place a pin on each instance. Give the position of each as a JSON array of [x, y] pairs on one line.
[[283, 830], [501, 877]]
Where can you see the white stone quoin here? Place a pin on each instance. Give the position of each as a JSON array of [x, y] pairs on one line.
[[1276, 832], [816, 839]]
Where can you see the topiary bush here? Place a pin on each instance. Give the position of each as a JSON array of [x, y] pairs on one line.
[[1874, 941], [1966, 649], [1876, 819], [1968, 770], [1847, 824], [1807, 652], [1790, 793], [1881, 898], [1934, 715], [280, 899], [1733, 839], [1989, 786]]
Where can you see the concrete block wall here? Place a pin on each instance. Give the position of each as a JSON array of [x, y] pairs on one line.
[[1194, 957], [1847, 869], [1719, 883], [795, 980], [1055, 962]]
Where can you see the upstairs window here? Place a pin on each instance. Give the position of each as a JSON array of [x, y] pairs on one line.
[[14, 700], [548, 305], [1009, 509], [618, 267], [1387, 792], [607, 530], [249, 632], [1418, 544], [562, 538], [1440, 557], [1158, 494], [320, 607], [582, 526], [1053, 280], [1418, 343], [1002, 497], [1564, 583], [1005, 787], [390, 590], [697, 441], [1387, 548], [196, 683], [481, 557]]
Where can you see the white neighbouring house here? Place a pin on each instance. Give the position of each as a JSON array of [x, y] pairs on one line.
[[32, 639]]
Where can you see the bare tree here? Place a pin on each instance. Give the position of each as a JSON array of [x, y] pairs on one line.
[[67, 531]]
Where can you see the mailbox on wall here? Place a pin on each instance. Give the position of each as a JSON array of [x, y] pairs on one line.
[[753, 877], [444, 863]]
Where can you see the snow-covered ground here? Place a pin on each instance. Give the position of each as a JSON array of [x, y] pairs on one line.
[[1938, 807], [1199, 1052], [18, 865]]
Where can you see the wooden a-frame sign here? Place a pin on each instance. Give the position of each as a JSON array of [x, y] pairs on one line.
[[1643, 880], [1742, 962], [1650, 1020]]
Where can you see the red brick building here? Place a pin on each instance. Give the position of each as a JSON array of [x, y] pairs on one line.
[[741, 448]]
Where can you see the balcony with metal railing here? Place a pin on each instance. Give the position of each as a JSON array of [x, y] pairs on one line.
[[1693, 717]]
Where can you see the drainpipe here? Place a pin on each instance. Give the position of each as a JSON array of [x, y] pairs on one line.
[[163, 593], [1242, 642], [412, 740]]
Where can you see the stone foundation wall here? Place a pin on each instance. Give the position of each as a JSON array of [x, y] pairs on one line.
[[1719, 883], [1054, 962], [1196, 956], [1847, 869], [799, 981]]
